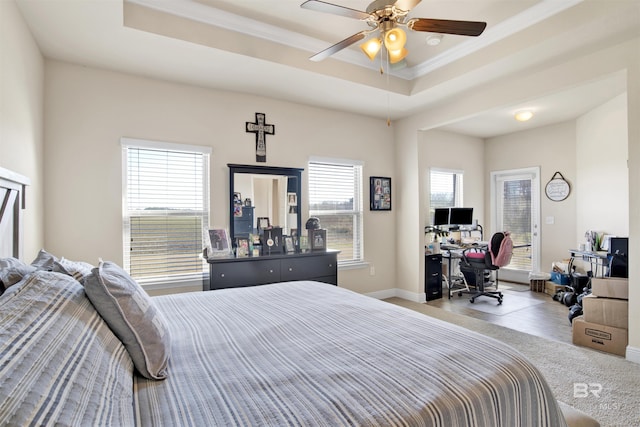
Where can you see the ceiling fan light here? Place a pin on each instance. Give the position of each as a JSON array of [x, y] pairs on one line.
[[523, 115], [395, 39], [371, 48], [397, 55]]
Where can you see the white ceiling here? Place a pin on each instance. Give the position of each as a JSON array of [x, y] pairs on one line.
[[262, 47]]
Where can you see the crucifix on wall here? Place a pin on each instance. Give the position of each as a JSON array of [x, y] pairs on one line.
[[261, 129]]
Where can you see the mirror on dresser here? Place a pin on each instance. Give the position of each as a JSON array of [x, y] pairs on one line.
[[259, 192]]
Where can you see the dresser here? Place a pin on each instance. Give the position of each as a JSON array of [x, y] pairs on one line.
[[231, 272], [433, 276]]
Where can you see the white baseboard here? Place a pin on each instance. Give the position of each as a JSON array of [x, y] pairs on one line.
[[387, 293], [633, 354], [400, 293]]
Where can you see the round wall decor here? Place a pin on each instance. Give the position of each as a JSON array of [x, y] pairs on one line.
[[557, 189]]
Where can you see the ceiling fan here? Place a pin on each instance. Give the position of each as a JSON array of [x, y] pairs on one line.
[[386, 17]]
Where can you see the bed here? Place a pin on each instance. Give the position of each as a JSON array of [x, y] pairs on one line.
[[83, 344]]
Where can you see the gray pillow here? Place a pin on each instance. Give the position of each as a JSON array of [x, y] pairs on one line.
[[131, 315], [10, 262], [76, 269], [44, 260], [12, 270], [12, 275]]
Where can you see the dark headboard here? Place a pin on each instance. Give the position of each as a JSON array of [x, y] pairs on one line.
[[12, 202]]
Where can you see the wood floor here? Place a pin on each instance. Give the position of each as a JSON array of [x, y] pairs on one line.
[[535, 313]]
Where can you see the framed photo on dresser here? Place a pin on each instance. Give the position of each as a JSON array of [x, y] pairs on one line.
[[220, 242], [318, 239], [242, 247]]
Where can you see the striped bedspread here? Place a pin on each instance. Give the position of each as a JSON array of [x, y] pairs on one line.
[[311, 354], [60, 364]]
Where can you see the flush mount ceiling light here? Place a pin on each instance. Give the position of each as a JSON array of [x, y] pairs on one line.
[[434, 39], [523, 115]]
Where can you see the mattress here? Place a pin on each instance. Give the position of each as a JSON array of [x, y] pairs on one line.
[[312, 354]]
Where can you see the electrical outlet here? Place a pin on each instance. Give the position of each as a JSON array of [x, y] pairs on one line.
[[372, 270]]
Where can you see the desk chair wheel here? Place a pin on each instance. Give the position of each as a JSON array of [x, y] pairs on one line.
[[472, 300]]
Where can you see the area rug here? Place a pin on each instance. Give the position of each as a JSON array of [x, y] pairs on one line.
[[514, 287], [510, 303], [602, 385]]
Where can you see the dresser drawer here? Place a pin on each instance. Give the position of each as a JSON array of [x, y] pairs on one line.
[[307, 268], [249, 271], [235, 274]]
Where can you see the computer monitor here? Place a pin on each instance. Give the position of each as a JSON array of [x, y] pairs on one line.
[[441, 216], [461, 216]]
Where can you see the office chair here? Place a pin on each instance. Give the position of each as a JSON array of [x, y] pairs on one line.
[[478, 261]]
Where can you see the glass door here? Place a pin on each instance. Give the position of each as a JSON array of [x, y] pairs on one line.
[[515, 207]]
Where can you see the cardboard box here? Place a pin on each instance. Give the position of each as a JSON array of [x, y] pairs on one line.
[[550, 288], [610, 287], [606, 311], [599, 337]]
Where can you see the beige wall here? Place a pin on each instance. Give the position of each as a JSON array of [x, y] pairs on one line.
[[552, 148], [21, 92], [633, 112], [88, 110], [447, 150], [410, 249], [602, 172]]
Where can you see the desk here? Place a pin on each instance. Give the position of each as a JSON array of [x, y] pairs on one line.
[[595, 259], [455, 283]]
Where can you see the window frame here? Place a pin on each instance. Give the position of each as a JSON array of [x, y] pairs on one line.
[[357, 213], [172, 280], [458, 194]]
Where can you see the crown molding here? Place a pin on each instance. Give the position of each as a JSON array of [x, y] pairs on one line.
[[196, 11]]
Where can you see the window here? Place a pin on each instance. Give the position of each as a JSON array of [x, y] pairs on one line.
[[445, 190], [335, 198], [165, 210]]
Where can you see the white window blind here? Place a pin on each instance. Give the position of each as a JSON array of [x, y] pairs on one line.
[[445, 189], [166, 210], [335, 198], [516, 210]]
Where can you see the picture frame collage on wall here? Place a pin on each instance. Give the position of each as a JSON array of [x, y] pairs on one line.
[[380, 193]]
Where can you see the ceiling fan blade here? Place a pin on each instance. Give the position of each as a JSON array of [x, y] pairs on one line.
[[322, 6], [445, 26], [406, 5], [339, 46]]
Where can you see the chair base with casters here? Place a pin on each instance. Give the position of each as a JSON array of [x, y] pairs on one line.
[[477, 262]]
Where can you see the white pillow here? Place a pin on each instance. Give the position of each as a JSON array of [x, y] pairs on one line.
[[131, 315]]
